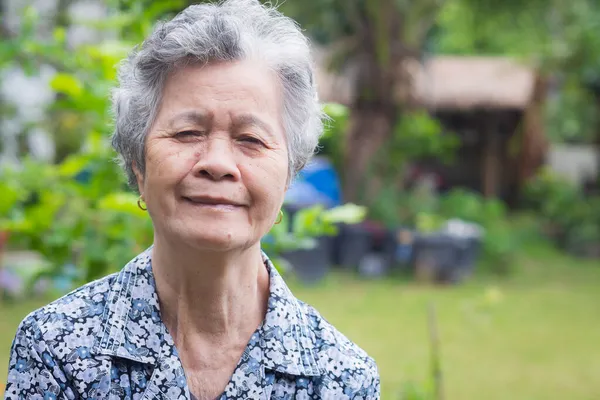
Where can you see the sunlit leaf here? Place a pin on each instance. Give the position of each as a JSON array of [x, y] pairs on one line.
[[122, 202], [67, 83]]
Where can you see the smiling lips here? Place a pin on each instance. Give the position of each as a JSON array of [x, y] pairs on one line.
[[213, 202]]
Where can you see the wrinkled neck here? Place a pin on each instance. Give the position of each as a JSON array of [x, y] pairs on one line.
[[215, 295]]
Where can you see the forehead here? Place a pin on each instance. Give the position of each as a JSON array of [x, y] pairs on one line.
[[235, 87]]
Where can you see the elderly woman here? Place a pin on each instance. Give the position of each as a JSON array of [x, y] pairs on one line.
[[215, 113]]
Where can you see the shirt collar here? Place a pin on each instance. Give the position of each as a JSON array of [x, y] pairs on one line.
[[132, 328]]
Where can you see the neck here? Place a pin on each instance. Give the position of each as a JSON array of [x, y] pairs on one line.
[[215, 295]]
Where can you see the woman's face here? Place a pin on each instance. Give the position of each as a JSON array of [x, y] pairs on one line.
[[216, 156]]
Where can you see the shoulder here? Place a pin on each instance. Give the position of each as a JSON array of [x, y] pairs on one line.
[[71, 321], [342, 360], [51, 339]]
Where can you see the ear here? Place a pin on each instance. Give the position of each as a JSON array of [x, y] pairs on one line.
[[139, 177]]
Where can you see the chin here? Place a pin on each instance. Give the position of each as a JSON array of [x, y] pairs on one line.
[[218, 239]]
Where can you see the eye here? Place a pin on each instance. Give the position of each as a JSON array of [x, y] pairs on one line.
[[183, 135], [189, 133], [251, 140]]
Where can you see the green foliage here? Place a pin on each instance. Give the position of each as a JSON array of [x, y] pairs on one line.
[[468, 27], [86, 73], [386, 206], [501, 240], [78, 210], [572, 115], [558, 38], [308, 224], [568, 217], [332, 143], [428, 213], [67, 219], [417, 135]]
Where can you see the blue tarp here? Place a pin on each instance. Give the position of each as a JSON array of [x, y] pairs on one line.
[[317, 183]]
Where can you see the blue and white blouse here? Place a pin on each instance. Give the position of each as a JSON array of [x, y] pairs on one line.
[[106, 340]]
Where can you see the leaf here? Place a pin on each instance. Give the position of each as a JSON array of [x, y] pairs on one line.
[[60, 34], [67, 84], [347, 213], [73, 165], [121, 202]]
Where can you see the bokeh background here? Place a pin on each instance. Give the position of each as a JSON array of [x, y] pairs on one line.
[[450, 224]]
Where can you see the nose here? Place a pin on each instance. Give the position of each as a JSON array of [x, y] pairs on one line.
[[216, 160]]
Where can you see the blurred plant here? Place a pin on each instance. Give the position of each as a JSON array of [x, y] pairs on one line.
[[552, 196], [75, 212], [307, 225], [501, 240], [559, 38], [568, 217], [386, 207], [416, 136], [332, 143], [433, 388], [317, 221], [84, 74], [572, 114]]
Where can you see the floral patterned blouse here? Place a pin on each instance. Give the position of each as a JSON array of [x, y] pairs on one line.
[[106, 340]]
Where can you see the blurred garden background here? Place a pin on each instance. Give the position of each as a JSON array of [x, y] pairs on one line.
[[450, 223]]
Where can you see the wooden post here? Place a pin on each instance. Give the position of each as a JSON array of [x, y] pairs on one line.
[[491, 171], [436, 365]]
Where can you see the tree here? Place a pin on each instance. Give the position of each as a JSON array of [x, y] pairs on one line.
[[559, 38], [377, 36]]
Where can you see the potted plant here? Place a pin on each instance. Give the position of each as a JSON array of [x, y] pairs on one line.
[[306, 246]]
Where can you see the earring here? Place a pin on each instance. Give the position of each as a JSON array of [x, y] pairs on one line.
[[139, 203], [279, 217]]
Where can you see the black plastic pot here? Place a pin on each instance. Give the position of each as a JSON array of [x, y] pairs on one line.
[[388, 249], [374, 265], [352, 244], [312, 265], [445, 259]]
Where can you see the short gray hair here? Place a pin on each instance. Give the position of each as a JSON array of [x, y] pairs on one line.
[[228, 31]]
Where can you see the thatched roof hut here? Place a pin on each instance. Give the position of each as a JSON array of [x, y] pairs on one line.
[[486, 100], [446, 83], [464, 83]]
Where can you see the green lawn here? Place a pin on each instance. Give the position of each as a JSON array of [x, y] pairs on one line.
[[533, 336]]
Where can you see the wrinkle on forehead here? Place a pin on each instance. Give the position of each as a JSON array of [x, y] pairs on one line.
[[254, 89]]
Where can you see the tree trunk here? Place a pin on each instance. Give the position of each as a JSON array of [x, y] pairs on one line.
[[534, 145], [368, 130], [381, 31], [373, 112]]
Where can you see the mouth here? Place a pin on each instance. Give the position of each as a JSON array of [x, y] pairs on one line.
[[212, 202]]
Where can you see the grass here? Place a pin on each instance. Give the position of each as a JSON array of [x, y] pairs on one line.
[[532, 336]]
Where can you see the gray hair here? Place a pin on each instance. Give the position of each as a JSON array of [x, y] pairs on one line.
[[228, 31]]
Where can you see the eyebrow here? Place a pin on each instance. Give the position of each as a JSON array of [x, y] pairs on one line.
[[199, 118], [192, 117], [252, 120]]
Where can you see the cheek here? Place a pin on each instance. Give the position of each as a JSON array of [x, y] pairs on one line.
[[266, 182], [167, 163]]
